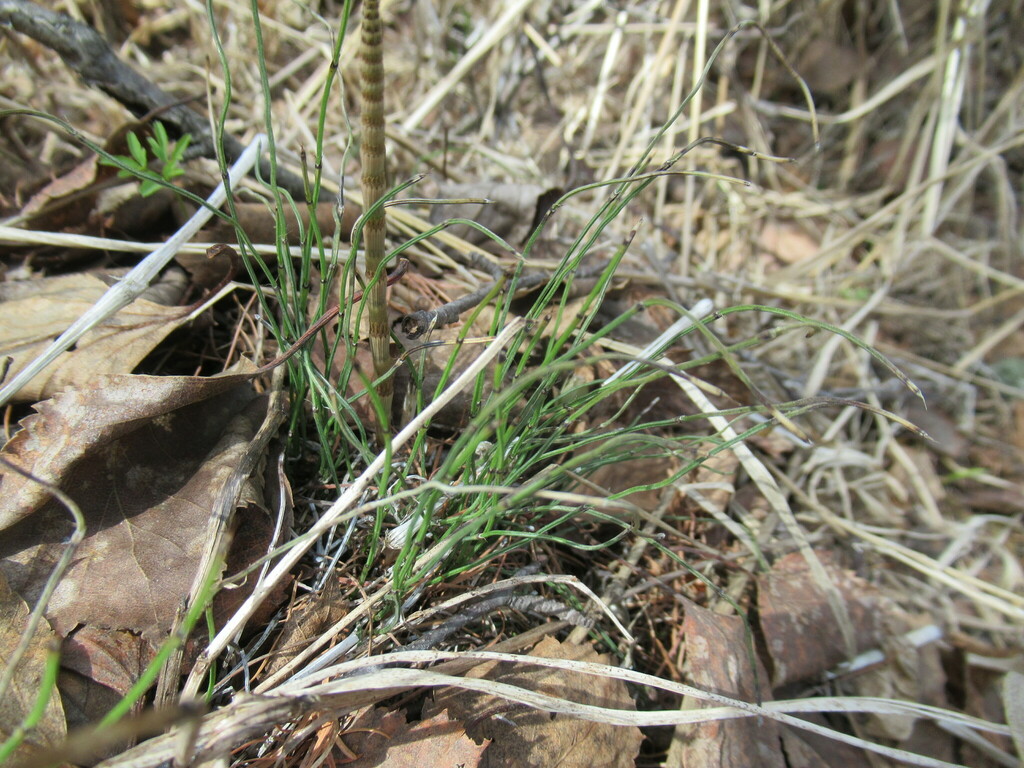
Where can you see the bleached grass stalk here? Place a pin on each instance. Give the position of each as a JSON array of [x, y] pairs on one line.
[[67, 240], [757, 472], [685, 260], [727, 708], [893, 89], [138, 279], [247, 717], [341, 510], [977, 590], [493, 35], [601, 89], [666, 53], [954, 80], [990, 342], [833, 251], [823, 360]]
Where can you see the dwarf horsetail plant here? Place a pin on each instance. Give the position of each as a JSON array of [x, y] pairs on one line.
[[373, 158]]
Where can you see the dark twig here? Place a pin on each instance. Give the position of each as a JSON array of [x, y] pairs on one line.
[[423, 321], [415, 324], [85, 51]]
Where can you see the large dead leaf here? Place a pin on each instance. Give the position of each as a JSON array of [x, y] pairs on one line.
[[34, 312], [20, 698], [149, 460], [85, 438], [529, 737]]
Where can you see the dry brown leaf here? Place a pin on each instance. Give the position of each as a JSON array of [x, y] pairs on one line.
[[801, 633], [946, 437], [20, 697], [146, 458], [527, 737], [34, 312], [83, 201], [370, 732], [718, 658], [429, 364], [63, 191], [383, 739], [910, 674], [113, 659], [805, 749], [981, 688]]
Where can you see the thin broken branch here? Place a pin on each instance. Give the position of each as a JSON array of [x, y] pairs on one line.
[[85, 51]]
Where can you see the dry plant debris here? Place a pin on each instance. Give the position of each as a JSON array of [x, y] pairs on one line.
[[731, 518], [522, 736]]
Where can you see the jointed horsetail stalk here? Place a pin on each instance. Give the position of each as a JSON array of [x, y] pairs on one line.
[[373, 159]]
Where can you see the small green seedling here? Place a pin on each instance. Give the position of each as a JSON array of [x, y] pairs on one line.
[[166, 154]]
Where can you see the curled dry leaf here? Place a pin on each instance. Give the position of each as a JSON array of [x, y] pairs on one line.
[[81, 200], [529, 737], [148, 460], [34, 312], [70, 195]]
